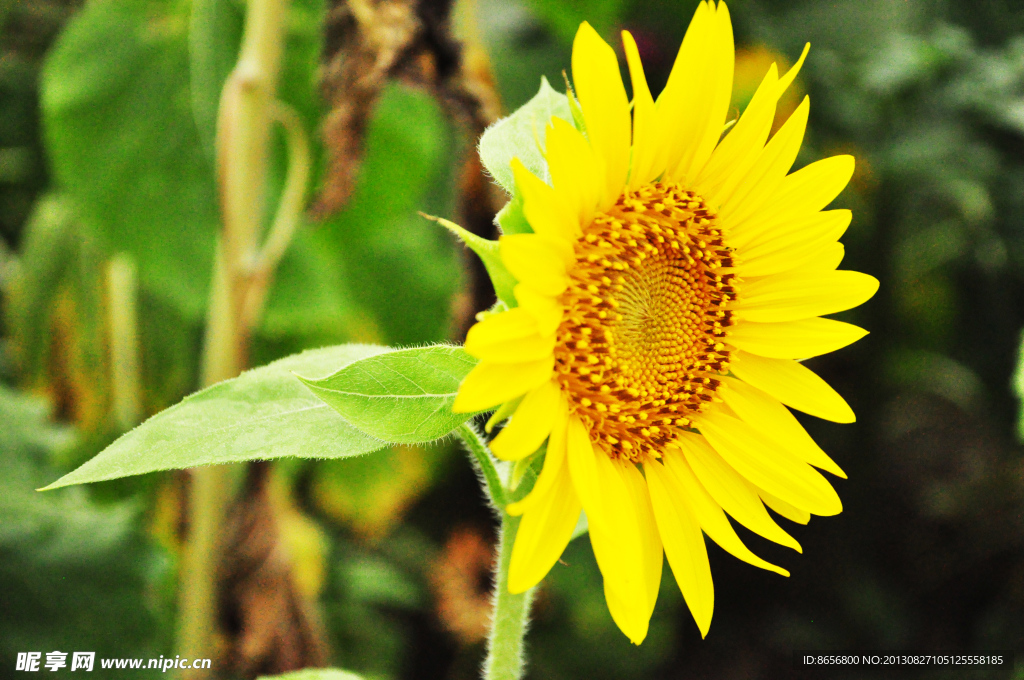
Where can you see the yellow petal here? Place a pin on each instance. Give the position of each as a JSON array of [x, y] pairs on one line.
[[488, 385], [536, 261], [791, 74], [679, 104], [652, 552], [531, 424], [614, 531], [825, 260], [732, 493], [595, 73], [806, 191], [761, 183], [794, 339], [780, 506], [508, 337], [648, 150], [709, 100], [793, 384], [517, 350], [508, 325], [684, 544], [554, 461], [545, 309], [684, 488], [798, 295], [544, 208], [735, 155], [543, 533], [772, 419], [801, 242], [577, 172], [618, 540], [767, 465]]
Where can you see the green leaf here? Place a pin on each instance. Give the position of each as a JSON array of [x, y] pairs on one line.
[[264, 413], [314, 674], [521, 136], [403, 397], [123, 143]]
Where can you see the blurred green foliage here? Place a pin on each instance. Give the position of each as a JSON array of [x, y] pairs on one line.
[[107, 112]]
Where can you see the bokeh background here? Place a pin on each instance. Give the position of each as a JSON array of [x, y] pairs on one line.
[[104, 150]]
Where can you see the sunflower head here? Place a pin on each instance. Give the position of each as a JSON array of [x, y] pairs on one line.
[[673, 272]]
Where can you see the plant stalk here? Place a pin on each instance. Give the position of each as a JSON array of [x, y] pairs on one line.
[[243, 132], [509, 612], [122, 326]]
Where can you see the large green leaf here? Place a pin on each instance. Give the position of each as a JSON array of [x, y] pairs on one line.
[[404, 397], [123, 143], [521, 136], [214, 37], [264, 413]]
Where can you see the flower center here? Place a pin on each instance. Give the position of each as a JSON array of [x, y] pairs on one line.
[[641, 342]]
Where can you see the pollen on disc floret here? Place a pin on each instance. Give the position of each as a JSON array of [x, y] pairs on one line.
[[643, 337]]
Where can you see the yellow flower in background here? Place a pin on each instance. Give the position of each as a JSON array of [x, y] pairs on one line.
[[673, 278]]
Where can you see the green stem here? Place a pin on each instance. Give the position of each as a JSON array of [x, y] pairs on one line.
[[243, 129], [510, 611], [197, 620], [495, 489]]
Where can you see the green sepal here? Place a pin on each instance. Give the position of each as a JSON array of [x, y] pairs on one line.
[[574, 106], [511, 219], [526, 464], [582, 527], [487, 251], [503, 412]]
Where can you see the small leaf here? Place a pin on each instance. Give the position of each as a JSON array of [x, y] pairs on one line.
[[521, 136], [264, 413], [314, 674], [403, 397]]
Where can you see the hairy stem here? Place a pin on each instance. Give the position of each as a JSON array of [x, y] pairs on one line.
[[495, 490], [510, 615], [510, 611]]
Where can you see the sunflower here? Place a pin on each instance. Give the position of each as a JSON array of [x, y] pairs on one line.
[[675, 273]]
